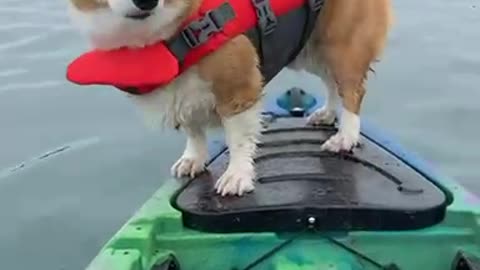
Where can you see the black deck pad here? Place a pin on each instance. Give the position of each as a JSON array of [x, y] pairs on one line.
[[298, 186]]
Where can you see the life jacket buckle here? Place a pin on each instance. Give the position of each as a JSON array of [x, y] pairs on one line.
[[266, 17], [198, 31]]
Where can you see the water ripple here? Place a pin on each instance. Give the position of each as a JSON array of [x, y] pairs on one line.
[[12, 72], [22, 42], [14, 27], [75, 145], [30, 85], [50, 55]]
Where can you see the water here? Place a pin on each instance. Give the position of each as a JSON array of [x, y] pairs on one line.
[[58, 206]]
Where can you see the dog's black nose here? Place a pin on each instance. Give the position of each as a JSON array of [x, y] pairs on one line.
[[146, 5]]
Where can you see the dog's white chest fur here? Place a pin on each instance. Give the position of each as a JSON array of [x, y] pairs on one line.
[[186, 101]]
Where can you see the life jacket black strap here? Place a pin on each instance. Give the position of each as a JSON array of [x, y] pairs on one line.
[[267, 21], [314, 7], [266, 25], [290, 31], [264, 36], [197, 32]]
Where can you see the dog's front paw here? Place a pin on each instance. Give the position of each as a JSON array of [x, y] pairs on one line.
[[322, 116], [187, 166], [340, 142], [236, 181]]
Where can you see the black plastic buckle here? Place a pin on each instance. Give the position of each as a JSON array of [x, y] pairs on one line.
[[316, 5], [198, 32], [266, 17]]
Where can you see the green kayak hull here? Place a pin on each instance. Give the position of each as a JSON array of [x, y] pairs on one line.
[[155, 238]]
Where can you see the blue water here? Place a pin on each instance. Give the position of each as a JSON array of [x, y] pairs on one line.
[[75, 163]]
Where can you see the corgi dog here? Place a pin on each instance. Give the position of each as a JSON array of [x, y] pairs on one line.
[[224, 89]]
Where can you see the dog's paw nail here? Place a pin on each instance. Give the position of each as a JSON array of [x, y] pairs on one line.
[[322, 116], [188, 167], [340, 142], [235, 182]]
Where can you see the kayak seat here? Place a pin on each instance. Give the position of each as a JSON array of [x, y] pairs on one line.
[[298, 186]]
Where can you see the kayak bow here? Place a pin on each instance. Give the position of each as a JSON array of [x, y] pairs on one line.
[[380, 207]]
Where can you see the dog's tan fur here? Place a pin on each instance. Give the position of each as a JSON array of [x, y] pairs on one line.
[[348, 37], [237, 82], [89, 5]]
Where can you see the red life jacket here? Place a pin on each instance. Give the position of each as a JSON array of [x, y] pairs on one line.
[[142, 70]]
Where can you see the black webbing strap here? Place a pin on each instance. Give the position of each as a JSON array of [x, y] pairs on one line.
[[271, 30], [266, 25], [267, 21], [313, 9], [197, 32]]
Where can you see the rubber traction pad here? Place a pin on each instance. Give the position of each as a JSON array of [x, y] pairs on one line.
[[299, 186]]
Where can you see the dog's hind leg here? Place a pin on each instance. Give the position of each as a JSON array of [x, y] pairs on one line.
[[349, 36], [347, 137], [348, 66], [326, 115]]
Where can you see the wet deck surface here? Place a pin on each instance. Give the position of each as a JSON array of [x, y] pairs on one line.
[[58, 207]]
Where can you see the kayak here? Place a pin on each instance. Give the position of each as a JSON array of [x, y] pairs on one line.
[[377, 207]]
